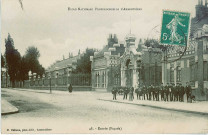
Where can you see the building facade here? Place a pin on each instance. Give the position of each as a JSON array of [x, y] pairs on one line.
[[193, 65], [126, 65], [105, 65]]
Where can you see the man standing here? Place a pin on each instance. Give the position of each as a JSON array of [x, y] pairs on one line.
[[170, 92], [166, 92], [182, 92], [188, 90], [143, 92], [125, 93], [114, 91], [138, 92], [177, 92], [162, 92], [70, 88], [173, 90], [150, 91]]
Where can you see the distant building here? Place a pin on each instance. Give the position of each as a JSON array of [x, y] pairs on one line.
[[63, 67], [193, 66]]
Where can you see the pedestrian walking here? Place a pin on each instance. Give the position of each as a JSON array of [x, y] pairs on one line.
[[70, 88]]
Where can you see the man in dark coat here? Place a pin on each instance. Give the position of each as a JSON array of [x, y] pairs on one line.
[[182, 92], [177, 92], [143, 92], [188, 90], [166, 91], [114, 92], [150, 91], [125, 93], [162, 92], [70, 88]]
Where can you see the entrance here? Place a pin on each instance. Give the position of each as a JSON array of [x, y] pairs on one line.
[[129, 73]]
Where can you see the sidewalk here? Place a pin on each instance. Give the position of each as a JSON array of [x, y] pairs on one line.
[[7, 108], [198, 107]]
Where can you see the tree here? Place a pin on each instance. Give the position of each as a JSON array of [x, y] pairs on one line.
[[152, 43], [13, 59], [23, 69], [2, 61], [32, 59], [2, 64], [84, 63]]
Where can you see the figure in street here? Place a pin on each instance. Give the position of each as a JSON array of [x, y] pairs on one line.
[[70, 88]]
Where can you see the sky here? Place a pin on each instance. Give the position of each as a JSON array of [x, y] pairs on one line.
[[56, 31]]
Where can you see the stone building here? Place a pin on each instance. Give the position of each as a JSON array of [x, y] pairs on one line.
[[193, 65], [130, 63], [125, 64], [105, 65]]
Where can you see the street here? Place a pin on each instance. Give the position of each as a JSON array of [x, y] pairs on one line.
[[82, 112]]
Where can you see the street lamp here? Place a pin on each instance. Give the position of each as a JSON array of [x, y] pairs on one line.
[[111, 64], [49, 77]]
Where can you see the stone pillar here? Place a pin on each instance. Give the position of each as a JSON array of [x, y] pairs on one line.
[[200, 71], [134, 83], [200, 92], [175, 72], [164, 69]]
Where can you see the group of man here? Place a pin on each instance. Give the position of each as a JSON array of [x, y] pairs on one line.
[[169, 92]]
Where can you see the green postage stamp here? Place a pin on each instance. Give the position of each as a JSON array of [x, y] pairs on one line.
[[175, 28]]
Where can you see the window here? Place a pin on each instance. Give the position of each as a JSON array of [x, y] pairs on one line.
[[172, 73], [178, 74], [103, 80], [116, 78]]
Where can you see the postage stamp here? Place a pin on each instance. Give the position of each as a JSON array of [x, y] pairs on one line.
[[175, 28]]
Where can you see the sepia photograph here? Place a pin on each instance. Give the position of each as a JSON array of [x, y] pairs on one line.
[[104, 67]]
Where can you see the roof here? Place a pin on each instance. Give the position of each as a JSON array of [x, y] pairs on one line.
[[195, 24], [101, 53], [114, 50], [63, 63]]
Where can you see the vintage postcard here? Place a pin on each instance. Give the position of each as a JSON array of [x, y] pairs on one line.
[[104, 67]]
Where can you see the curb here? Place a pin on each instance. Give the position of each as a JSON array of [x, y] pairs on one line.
[[158, 107], [12, 112], [7, 108]]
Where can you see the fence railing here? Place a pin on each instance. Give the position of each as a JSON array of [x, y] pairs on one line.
[[64, 80]]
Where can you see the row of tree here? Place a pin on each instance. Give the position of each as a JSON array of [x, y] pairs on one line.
[[18, 66]]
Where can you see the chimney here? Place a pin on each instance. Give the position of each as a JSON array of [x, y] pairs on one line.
[[79, 52], [199, 10], [69, 55]]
